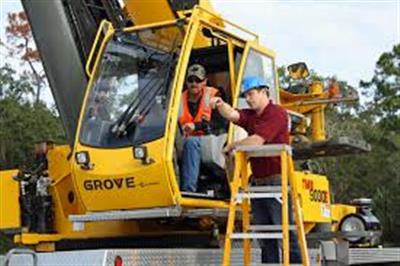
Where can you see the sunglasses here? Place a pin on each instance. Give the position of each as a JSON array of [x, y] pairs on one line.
[[194, 79]]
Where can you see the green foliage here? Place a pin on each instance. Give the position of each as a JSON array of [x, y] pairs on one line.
[[384, 88], [373, 175], [11, 87], [382, 114], [5, 243], [22, 123]]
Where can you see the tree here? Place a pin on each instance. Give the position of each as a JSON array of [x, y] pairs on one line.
[[11, 88], [22, 123], [20, 45], [383, 112], [384, 88]]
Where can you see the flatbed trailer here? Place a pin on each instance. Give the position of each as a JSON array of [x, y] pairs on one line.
[[211, 256]]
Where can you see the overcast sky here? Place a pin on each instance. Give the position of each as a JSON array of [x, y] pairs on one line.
[[333, 36]]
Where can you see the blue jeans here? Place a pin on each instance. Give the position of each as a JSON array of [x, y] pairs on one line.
[[190, 164], [268, 212]]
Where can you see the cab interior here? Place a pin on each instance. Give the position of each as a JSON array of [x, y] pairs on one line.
[[212, 180]]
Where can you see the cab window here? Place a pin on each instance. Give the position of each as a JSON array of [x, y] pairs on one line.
[[262, 66]]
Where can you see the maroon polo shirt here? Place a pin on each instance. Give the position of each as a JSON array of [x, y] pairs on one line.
[[272, 126]]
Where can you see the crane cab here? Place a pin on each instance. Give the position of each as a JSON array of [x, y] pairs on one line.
[[127, 147]]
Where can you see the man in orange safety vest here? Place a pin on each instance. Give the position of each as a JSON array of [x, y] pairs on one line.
[[194, 117]]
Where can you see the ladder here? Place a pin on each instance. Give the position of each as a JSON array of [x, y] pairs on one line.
[[241, 193]]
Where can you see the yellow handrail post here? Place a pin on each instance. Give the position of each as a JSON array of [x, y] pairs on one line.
[[235, 183], [245, 210], [285, 209], [298, 215]]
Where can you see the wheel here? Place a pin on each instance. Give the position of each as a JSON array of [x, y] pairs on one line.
[[353, 223]]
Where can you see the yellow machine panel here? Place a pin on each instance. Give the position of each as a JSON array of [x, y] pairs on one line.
[[9, 205], [118, 181], [160, 10], [139, 11], [315, 197], [59, 164]]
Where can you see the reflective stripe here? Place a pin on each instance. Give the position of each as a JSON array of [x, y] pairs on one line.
[[180, 111], [207, 97]]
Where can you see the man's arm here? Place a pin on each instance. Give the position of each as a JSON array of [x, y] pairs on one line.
[[225, 109], [250, 140]]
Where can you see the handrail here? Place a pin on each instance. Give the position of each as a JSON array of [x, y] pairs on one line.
[[22, 251], [228, 22], [94, 46]]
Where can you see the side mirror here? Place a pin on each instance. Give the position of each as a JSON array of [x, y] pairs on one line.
[[298, 70]]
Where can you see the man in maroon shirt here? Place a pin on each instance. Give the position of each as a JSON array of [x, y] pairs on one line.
[[265, 123]]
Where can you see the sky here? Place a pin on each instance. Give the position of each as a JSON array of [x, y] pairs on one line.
[[334, 37]]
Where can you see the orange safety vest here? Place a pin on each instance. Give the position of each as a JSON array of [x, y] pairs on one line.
[[203, 112]]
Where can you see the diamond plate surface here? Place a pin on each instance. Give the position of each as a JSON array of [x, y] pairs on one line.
[[178, 257]]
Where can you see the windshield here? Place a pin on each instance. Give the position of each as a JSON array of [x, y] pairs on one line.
[[128, 101]]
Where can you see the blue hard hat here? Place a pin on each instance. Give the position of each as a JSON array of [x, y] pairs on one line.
[[252, 82]]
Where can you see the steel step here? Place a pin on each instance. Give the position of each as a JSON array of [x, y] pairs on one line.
[[268, 195], [79, 220], [197, 195]]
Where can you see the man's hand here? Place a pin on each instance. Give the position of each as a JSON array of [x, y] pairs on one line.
[[215, 102], [224, 109], [188, 128], [229, 149]]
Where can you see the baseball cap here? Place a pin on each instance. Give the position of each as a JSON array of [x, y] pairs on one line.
[[197, 71]]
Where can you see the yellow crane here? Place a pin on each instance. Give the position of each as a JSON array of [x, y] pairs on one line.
[[117, 183]]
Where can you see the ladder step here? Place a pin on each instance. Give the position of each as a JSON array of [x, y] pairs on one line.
[[274, 227], [270, 150], [256, 236], [270, 195], [256, 189]]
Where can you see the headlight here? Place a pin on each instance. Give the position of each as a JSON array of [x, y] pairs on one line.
[[140, 153], [82, 157]]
